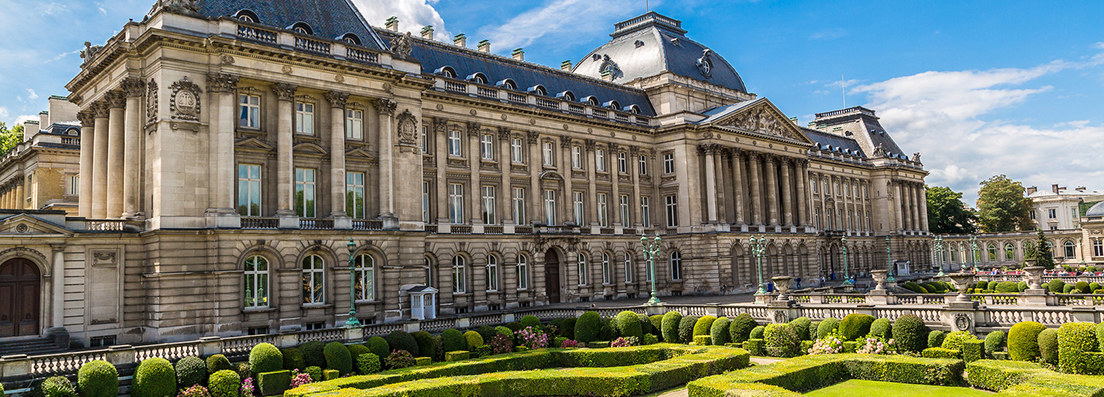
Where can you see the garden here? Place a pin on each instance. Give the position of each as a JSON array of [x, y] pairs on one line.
[[1054, 286]]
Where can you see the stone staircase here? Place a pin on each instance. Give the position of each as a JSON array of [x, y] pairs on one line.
[[56, 341]]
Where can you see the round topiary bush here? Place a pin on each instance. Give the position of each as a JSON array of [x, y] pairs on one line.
[[909, 333], [686, 329], [588, 326], [453, 340], [399, 340], [378, 346], [994, 342], [293, 358], [982, 285], [58, 386], [645, 324], [1073, 340], [826, 327], [718, 333], [368, 363], [474, 339], [500, 330], [217, 363], [882, 328], [338, 357], [609, 331], [1056, 286], [1023, 342], [487, 332], [1082, 287], [670, 326], [1048, 345], [190, 371], [224, 383], [155, 378], [1094, 286], [1067, 289], [357, 351], [657, 325], [703, 325], [1021, 286], [1006, 287], [781, 340], [243, 370], [629, 325], [315, 374], [514, 326], [955, 340], [265, 358], [741, 327], [567, 330], [313, 354], [935, 338], [802, 326], [426, 346], [530, 321], [96, 379], [757, 332], [855, 326]]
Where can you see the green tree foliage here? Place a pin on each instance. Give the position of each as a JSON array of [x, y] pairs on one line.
[[1002, 206], [947, 214], [9, 138], [1041, 252]]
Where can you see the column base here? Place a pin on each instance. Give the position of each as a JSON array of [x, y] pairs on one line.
[[134, 216], [342, 221], [390, 221], [288, 219], [221, 218]]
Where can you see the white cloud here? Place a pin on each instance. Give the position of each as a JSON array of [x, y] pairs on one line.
[[412, 14], [25, 117], [559, 18], [3, 113], [61, 56], [31, 95], [53, 8]]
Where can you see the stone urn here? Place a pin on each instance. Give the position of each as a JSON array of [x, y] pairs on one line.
[[962, 281], [880, 278], [782, 283], [1033, 276]]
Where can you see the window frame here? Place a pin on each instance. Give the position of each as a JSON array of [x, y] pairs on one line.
[[644, 165], [489, 215], [250, 182], [623, 205], [600, 160], [549, 207], [260, 282], [311, 186], [517, 154], [459, 275], [523, 272], [668, 163], [366, 276], [304, 118], [603, 210], [486, 147], [455, 143], [676, 265], [671, 206], [607, 273], [317, 279], [576, 157], [456, 203], [354, 124], [582, 268], [548, 150], [578, 203], [250, 111], [519, 205], [629, 268], [492, 273], [645, 211], [351, 189], [622, 163]]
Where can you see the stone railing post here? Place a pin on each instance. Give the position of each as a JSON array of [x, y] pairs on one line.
[[1084, 314], [121, 355], [354, 334], [509, 317], [655, 310], [14, 365], [412, 327], [287, 340], [712, 309], [210, 345], [462, 323]]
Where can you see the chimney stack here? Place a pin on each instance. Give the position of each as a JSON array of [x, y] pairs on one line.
[[607, 75], [1031, 190], [484, 46], [1054, 188], [44, 118], [30, 129], [519, 54], [1081, 188], [460, 40], [565, 65], [427, 32], [794, 120], [392, 24]]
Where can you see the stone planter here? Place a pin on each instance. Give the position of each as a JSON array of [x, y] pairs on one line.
[[962, 281], [879, 277], [1033, 276], [782, 283]]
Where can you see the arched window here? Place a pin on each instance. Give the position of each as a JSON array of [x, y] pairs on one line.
[[446, 71], [1069, 249], [313, 280], [364, 274], [591, 100], [676, 265], [507, 84], [459, 275], [351, 38], [428, 272], [538, 90], [612, 105], [628, 268], [992, 253], [492, 273], [523, 272], [478, 78], [582, 269], [632, 109], [302, 28], [607, 278], [256, 282], [247, 16], [567, 96], [1009, 252]]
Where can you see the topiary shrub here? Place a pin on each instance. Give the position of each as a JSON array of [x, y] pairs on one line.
[[514, 326], [1006, 287], [243, 370], [1021, 286], [882, 328], [1056, 286], [955, 340], [457, 355], [293, 358], [530, 321], [718, 333], [95, 379], [703, 325], [1023, 342], [588, 327], [1074, 340], [826, 327], [155, 378], [802, 325], [356, 351], [274, 383], [686, 329], [741, 327], [973, 350], [608, 332], [338, 357], [453, 340], [935, 338], [756, 347], [315, 374], [939, 352], [1048, 345], [1100, 335], [645, 324], [265, 358], [378, 346], [629, 325], [1094, 286], [649, 339], [909, 333], [313, 354], [855, 326], [982, 285], [224, 383], [217, 363], [670, 326], [190, 371], [426, 345], [399, 340], [994, 342], [657, 325], [757, 332], [58, 386], [368, 363], [474, 339], [781, 340], [567, 330], [1082, 287]]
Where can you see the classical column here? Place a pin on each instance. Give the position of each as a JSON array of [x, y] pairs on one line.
[[923, 196], [385, 108], [566, 170], [634, 201], [592, 195], [475, 157], [802, 197], [910, 207], [710, 183], [116, 122], [917, 206], [87, 147], [756, 199], [505, 161], [535, 163], [57, 283], [99, 161], [132, 134], [440, 131], [19, 199], [285, 168], [900, 204], [337, 102], [772, 190], [613, 204], [739, 192], [787, 200]]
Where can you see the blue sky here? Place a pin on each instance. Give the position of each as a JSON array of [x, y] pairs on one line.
[[980, 88]]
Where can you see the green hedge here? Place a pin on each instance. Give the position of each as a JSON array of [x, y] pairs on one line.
[[96, 379], [313, 354], [703, 325], [1100, 335], [293, 358], [757, 332], [1007, 287], [396, 340], [670, 326], [457, 355], [703, 340], [955, 340], [686, 329], [1023, 342], [223, 383], [756, 346], [628, 323], [378, 346], [1056, 286], [1048, 346], [740, 329], [274, 383], [782, 340], [973, 350], [826, 327], [155, 378], [882, 328], [994, 342], [190, 371], [265, 357], [567, 329], [718, 333], [474, 339], [939, 352], [588, 327], [338, 357], [452, 340], [330, 374], [909, 333], [1075, 341], [58, 386], [1016, 378], [368, 363], [657, 325], [530, 321], [855, 326]]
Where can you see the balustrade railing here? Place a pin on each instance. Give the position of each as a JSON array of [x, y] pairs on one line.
[[367, 224], [252, 222], [456, 87], [258, 34], [316, 224], [361, 55], [303, 43], [104, 225]]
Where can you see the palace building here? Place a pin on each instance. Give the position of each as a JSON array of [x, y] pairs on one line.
[[260, 166]]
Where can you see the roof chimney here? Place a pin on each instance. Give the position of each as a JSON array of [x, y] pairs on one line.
[[565, 65], [1054, 188], [607, 75], [1081, 188], [44, 118], [519, 54], [30, 129], [427, 32], [1031, 190], [460, 40], [484, 46], [794, 120], [392, 24]]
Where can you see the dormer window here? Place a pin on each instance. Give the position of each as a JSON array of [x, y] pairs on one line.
[[612, 105], [247, 16], [632, 109], [507, 84], [302, 28], [478, 78], [538, 90], [446, 71], [591, 100], [351, 38], [567, 96]]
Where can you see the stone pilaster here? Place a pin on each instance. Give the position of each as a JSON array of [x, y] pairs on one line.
[[385, 107], [135, 88], [285, 172], [337, 102], [787, 199], [710, 184], [115, 145], [99, 161], [88, 138]]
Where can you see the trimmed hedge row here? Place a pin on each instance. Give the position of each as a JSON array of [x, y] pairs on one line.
[[1017, 378]]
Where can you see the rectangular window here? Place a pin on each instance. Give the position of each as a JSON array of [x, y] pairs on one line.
[[1073, 214], [249, 190], [643, 165], [1031, 214], [456, 203], [600, 160], [646, 211], [304, 118], [304, 192], [519, 205], [602, 219], [354, 124], [671, 202], [425, 201], [424, 140], [354, 194], [1052, 213], [454, 147], [622, 163], [1098, 248], [576, 157], [816, 218], [668, 163], [624, 210], [549, 153], [249, 111], [582, 269], [813, 184], [550, 207], [515, 151], [486, 146], [492, 274], [577, 201], [489, 205], [74, 185], [628, 268], [523, 272], [607, 277]]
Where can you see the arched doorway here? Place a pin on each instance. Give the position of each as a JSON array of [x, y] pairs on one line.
[[552, 275], [19, 296]]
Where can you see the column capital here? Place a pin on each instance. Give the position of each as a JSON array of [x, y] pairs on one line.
[[634, 150], [751, 156], [385, 106], [474, 129], [590, 144], [440, 125], [613, 147], [770, 158], [116, 99], [337, 99], [504, 132], [532, 136], [101, 109], [87, 117], [134, 87], [222, 82], [284, 91], [565, 142]]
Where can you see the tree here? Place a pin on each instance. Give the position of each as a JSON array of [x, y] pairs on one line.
[[9, 138], [947, 214], [1002, 206], [1041, 252]]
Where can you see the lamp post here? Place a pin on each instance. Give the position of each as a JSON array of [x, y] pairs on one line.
[[757, 247], [846, 272], [889, 263], [973, 252], [939, 255], [352, 321], [650, 252]]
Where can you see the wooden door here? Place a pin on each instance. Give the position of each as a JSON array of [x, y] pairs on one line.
[[19, 297], [552, 276]]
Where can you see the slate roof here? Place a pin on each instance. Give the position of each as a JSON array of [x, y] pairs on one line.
[[1096, 210], [720, 112], [329, 19], [835, 143]]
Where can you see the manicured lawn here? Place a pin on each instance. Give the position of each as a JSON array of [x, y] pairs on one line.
[[866, 388]]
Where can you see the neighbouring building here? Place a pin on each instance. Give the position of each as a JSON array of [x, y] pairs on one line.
[[1059, 208], [42, 172], [248, 165]]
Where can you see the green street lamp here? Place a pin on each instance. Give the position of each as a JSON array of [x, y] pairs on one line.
[[757, 247], [352, 321], [973, 252], [846, 272], [939, 255], [889, 263], [651, 250]]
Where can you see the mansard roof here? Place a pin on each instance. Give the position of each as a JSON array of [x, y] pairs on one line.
[[331, 19], [871, 129], [834, 143]]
